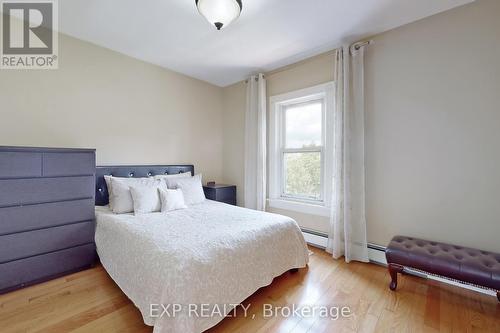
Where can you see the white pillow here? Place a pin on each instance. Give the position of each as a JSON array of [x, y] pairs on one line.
[[120, 198], [171, 200], [146, 198], [174, 175], [110, 191], [191, 188], [109, 181]]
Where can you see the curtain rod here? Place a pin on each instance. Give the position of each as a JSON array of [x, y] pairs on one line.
[[256, 78], [359, 45]]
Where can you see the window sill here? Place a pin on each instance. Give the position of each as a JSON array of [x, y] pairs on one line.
[[300, 207]]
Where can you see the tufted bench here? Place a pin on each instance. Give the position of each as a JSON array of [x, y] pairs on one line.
[[466, 265]]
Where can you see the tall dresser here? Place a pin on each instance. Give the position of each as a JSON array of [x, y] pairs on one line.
[[46, 214]]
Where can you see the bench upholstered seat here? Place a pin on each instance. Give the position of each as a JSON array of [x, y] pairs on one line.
[[467, 265]]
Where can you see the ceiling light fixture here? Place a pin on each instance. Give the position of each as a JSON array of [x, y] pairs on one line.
[[220, 13]]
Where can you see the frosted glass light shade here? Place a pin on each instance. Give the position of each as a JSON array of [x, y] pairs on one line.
[[220, 13]]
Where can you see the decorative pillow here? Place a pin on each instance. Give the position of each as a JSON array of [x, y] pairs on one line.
[[171, 199], [110, 191], [191, 188], [120, 198], [146, 198], [174, 175]]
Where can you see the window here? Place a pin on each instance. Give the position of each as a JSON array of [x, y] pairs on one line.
[[300, 150]]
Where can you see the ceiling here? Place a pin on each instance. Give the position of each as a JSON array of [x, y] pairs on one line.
[[269, 33]]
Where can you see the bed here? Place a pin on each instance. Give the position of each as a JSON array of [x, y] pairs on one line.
[[210, 255]]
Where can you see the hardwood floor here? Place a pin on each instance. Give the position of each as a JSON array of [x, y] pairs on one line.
[[89, 301]]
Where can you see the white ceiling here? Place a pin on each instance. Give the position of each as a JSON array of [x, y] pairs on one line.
[[269, 33]]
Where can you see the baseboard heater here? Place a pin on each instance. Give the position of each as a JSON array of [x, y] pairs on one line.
[[315, 238], [376, 255]]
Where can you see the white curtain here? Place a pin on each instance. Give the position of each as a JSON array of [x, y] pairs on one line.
[[347, 236], [255, 143]]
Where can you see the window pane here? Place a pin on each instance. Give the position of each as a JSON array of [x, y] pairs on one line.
[[302, 174], [303, 125]]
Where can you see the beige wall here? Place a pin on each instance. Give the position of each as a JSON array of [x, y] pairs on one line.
[[308, 73], [234, 104], [130, 111], [432, 121], [432, 127], [304, 74]]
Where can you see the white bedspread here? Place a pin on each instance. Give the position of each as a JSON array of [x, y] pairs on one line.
[[211, 253]]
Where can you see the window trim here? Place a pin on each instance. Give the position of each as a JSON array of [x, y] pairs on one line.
[[277, 199]]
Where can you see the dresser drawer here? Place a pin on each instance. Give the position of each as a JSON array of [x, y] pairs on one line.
[[19, 273], [25, 218], [20, 164], [39, 190], [31, 243], [68, 164]]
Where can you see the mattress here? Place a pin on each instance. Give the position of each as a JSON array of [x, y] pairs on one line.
[[211, 254]]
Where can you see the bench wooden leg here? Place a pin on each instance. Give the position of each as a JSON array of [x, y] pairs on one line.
[[394, 269]]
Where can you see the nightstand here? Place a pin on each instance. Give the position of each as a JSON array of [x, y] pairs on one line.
[[221, 193]]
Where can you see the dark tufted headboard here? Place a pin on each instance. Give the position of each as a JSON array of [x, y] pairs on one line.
[[136, 171]]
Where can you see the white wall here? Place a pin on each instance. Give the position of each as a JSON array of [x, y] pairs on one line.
[[433, 129], [130, 111]]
